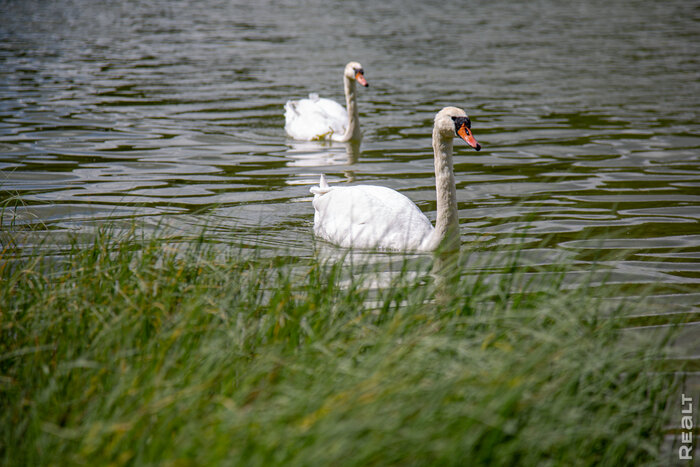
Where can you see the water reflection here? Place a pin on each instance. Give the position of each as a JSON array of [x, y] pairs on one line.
[[328, 155], [322, 154]]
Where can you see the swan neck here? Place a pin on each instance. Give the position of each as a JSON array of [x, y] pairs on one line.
[[446, 234], [352, 132]]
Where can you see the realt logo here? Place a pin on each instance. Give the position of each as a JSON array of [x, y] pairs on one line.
[[685, 452]]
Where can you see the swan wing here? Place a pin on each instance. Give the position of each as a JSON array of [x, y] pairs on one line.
[[336, 114], [314, 118], [367, 216]]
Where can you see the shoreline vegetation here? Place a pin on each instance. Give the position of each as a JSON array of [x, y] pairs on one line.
[[129, 351]]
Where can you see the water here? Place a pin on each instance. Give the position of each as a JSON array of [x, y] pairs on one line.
[[172, 114]]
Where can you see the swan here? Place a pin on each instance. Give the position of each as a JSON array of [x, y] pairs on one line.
[[376, 217], [317, 118]]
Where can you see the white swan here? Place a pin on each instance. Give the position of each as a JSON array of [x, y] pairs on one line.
[[316, 118], [366, 216]]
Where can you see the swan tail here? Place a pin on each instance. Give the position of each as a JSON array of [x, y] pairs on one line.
[[322, 188]]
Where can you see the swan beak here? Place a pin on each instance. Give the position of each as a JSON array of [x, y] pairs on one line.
[[360, 78], [466, 134]]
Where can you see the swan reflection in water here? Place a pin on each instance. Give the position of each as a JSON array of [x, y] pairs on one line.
[[317, 154], [379, 270]]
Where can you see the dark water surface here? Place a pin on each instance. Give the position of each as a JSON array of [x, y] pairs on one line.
[[171, 112]]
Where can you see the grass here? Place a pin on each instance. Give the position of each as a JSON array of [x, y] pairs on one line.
[[127, 351]]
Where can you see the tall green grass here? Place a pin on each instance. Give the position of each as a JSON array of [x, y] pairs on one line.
[[128, 351]]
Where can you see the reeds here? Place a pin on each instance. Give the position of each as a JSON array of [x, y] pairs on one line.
[[130, 351]]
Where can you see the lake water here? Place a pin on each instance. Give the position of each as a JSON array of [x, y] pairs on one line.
[[171, 113]]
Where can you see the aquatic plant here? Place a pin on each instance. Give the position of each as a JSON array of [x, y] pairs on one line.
[[132, 350]]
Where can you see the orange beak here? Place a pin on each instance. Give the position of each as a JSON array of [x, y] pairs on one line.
[[466, 134], [360, 78]]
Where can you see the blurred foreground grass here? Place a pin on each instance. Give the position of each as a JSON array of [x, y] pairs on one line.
[[126, 351]]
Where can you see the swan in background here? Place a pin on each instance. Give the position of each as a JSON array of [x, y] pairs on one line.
[[366, 216], [317, 118]]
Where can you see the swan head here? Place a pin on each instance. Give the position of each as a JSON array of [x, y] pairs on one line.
[[453, 121], [355, 72]]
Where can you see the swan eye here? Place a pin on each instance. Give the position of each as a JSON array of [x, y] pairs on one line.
[[459, 121]]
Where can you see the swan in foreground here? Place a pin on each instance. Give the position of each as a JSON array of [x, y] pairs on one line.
[[366, 216], [316, 118]]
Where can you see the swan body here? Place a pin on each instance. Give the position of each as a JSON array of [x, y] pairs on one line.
[[375, 217], [318, 118], [358, 216]]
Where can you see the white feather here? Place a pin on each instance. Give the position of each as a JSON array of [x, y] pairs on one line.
[[314, 118], [366, 216]]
